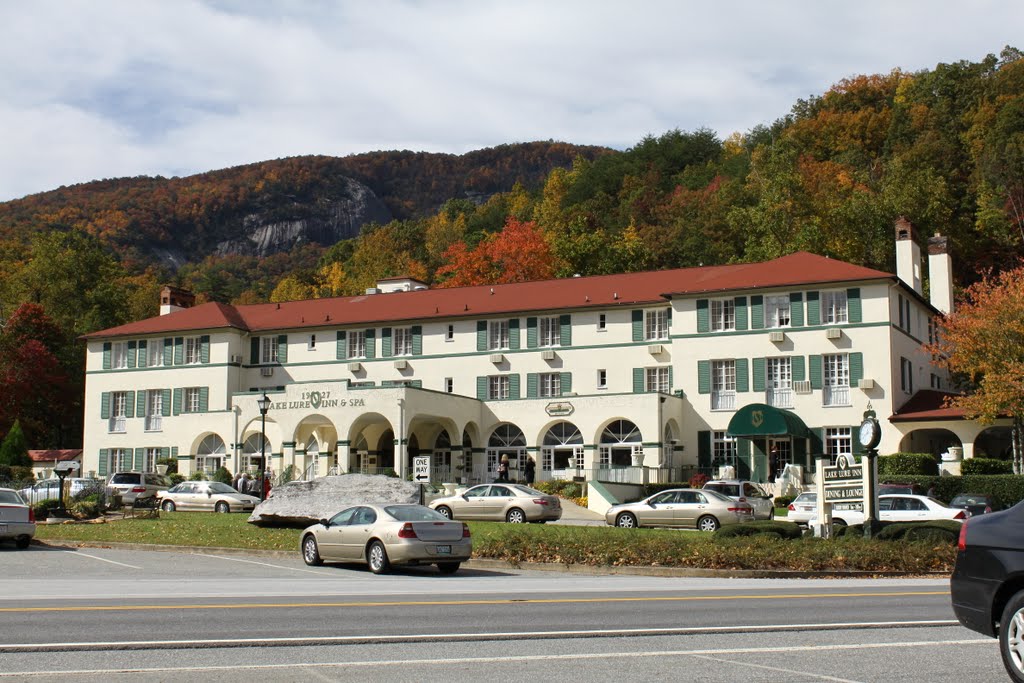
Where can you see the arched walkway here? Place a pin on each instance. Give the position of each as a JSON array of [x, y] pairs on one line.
[[210, 454], [621, 444], [506, 439], [561, 452]]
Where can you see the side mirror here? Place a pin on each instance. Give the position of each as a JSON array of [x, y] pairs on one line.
[[209, 494], [325, 523]]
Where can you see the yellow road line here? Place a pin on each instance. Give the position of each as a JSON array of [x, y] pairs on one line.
[[434, 603]]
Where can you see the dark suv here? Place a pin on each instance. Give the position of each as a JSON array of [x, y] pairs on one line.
[[136, 486]]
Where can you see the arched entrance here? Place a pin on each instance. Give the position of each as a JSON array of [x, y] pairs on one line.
[[561, 452], [621, 445], [386, 453], [252, 451], [506, 439], [210, 454], [441, 462]]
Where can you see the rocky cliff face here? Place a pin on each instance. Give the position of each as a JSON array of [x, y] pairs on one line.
[[325, 220]]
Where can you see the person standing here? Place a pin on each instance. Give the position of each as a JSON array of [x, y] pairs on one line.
[[503, 468], [530, 469]]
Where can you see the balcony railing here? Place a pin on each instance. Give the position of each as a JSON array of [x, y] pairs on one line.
[[779, 398], [154, 423], [835, 396], [117, 423], [723, 400]]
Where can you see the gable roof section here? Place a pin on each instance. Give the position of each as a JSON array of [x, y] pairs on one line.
[[927, 405], [624, 289], [55, 455]]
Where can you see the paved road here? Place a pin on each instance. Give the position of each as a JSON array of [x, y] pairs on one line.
[[103, 613]]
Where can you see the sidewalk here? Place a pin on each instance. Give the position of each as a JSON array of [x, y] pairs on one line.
[[574, 515]]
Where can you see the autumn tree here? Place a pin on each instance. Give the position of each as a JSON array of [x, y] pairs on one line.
[[520, 252]]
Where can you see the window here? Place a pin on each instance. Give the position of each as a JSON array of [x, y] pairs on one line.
[[497, 387], [906, 376], [119, 355], [723, 449], [268, 349], [904, 311], [723, 385], [152, 455], [191, 400], [449, 385], [450, 334], [776, 311], [497, 334], [120, 460], [356, 347], [154, 410], [936, 381], [833, 307], [193, 350], [550, 332], [155, 353], [602, 379], [836, 369], [401, 341], [311, 346], [656, 379], [550, 384], [602, 322], [723, 315], [656, 324], [838, 441], [779, 382], [118, 410]]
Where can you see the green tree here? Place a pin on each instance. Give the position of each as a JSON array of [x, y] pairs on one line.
[[14, 449]]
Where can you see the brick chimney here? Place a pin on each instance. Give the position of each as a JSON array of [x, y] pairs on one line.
[[940, 273], [175, 299], [908, 255]]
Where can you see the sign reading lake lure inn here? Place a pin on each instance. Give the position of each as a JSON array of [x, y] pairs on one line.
[[844, 483]]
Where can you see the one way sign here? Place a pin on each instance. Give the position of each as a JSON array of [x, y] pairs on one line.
[[421, 468]]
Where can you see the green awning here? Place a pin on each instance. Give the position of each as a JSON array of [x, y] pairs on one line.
[[760, 419]]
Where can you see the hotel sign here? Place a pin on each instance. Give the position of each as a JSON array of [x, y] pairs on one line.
[[560, 409], [844, 483], [315, 400]]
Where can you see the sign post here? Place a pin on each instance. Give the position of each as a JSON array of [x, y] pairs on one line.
[[421, 473]]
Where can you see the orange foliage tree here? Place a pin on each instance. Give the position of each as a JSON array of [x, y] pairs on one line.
[[518, 253]]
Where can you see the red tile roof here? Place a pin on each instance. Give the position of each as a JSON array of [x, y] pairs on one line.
[[927, 405], [798, 269], [55, 455]]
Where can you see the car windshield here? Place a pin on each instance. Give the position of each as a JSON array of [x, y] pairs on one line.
[[964, 499], [218, 487], [414, 513], [11, 497]]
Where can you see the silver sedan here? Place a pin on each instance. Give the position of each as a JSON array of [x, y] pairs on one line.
[[513, 503], [689, 508], [211, 496]]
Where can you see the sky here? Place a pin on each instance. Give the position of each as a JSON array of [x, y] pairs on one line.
[[93, 89]]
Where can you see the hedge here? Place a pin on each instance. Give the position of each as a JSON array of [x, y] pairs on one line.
[[986, 466], [905, 464], [780, 529], [942, 531], [1006, 489]]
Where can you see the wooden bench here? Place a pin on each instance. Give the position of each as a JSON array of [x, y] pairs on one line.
[[147, 508]]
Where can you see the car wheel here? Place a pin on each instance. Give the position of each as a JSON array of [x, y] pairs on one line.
[[222, 507], [310, 552], [626, 520], [515, 516], [445, 510], [22, 541], [708, 523], [448, 567], [168, 506], [1011, 637], [377, 557]]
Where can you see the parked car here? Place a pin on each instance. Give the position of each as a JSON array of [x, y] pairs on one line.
[[50, 488], [136, 486], [803, 508], [705, 510], [745, 492], [212, 496], [17, 521], [900, 508], [385, 535], [986, 587], [514, 503], [974, 503]]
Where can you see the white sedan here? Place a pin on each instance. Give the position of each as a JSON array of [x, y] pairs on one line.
[[17, 522], [900, 508], [803, 508], [205, 495]]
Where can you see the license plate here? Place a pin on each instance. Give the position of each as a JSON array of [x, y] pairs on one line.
[[444, 550]]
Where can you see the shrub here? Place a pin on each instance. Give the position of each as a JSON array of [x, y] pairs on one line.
[[85, 509], [902, 464], [783, 501], [198, 475], [43, 507], [559, 487], [94, 491], [698, 480], [222, 475], [175, 478], [1006, 489], [985, 466], [172, 464], [945, 531], [785, 530]]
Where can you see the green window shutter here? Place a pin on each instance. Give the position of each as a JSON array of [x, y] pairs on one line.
[[513, 333], [853, 308], [174, 452], [131, 354], [757, 312], [165, 402], [815, 371], [254, 351], [856, 369], [759, 374], [638, 381], [704, 377], [796, 364], [813, 309], [565, 330], [104, 457], [531, 385], [129, 404], [385, 342], [106, 355], [341, 345], [817, 443], [481, 388], [741, 313], [165, 452], [141, 360], [176, 404], [179, 350], [531, 333], [140, 458], [513, 386], [282, 348], [105, 405], [704, 448], [703, 316], [858, 447], [742, 375], [796, 309], [168, 351], [204, 349], [566, 382], [638, 325], [417, 340], [371, 343], [204, 399], [140, 403], [481, 335]]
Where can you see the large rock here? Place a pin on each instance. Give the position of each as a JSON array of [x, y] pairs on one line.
[[301, 503]]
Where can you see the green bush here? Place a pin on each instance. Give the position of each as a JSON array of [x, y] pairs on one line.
[[907, 464], [198, 475], [222, 475], [787, 530], [85, 509], [783, 501], [175, 478], [985, 466], [945, 531], [43, 507], [172, 465], [1006, 489], [559, 487]]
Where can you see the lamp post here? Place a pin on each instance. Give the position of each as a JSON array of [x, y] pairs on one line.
[[264, 405]]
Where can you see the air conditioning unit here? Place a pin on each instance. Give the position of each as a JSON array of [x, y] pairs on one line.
[[355, 367], [497, 358], [833, 333], [236, 358], [866, 384], [267, 371], [655, 349], [802, 387], [547, 355], [401, 364], [777, 336]]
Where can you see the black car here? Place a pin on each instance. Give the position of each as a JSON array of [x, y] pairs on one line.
[[987, 585], [974, 503]]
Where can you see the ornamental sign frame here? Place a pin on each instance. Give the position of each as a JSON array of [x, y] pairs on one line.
[[559, 409]]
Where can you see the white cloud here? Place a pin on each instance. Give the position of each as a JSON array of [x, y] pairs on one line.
[[143, 87]]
